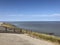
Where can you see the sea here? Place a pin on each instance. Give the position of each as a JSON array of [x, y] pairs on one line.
[[52, 27]]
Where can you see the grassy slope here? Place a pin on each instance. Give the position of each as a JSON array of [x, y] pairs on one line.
[[43, 36], [37, 35]]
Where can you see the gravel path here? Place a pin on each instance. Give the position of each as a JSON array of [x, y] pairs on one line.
[[21, 39]]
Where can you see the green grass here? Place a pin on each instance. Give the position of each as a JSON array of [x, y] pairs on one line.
[[43, 36]]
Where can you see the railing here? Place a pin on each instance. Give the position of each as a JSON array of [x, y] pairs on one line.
[[10, 30]]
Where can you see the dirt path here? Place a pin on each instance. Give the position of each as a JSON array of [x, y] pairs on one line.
[[21, 39]]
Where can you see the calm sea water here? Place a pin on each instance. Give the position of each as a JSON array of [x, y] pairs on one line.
[[40, 26]]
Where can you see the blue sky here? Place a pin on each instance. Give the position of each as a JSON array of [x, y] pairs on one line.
[[29, 10]]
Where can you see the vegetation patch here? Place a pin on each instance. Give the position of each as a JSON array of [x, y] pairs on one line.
[[43, 36]]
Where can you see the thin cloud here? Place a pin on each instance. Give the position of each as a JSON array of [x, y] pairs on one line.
[[48, 15], [21, 15], [38, 15]]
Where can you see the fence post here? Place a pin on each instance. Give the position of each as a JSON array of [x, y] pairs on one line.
[[14, 29], [20, 30], [5, 29]]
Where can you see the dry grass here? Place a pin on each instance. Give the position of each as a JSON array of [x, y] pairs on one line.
[[43, 36]]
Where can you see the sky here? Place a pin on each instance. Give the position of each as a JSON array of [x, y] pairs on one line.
[[29, 10]]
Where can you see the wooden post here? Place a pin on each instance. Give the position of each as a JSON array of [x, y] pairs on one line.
[[20, 30], [5, 29], [14, 29]]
